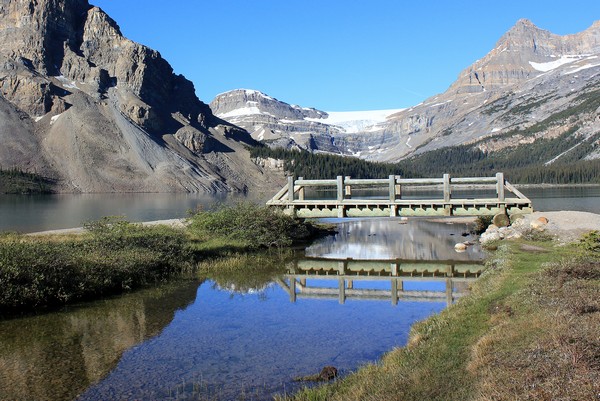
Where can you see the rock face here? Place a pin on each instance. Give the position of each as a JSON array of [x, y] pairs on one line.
[[530, 76], [279, 124], [99, 112], [522, 53]]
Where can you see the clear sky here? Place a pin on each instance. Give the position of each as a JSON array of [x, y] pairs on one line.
[[335, 55]]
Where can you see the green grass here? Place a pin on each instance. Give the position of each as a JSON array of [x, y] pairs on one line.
[[474, 349]]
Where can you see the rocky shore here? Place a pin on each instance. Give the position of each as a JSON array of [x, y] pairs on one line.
[[564, 226]]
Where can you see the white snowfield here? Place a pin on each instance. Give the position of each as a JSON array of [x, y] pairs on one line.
[[350, 121], [551, 65], [355, 121]]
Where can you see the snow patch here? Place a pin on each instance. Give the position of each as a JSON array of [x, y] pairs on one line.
[[244, 111], [38, 118], [355, 121], [551, 65], [496, 130]]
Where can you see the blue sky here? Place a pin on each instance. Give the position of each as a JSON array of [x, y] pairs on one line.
[[334, 55]]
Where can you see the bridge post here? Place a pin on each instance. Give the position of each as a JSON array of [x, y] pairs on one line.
[[392, 195], [394, 291], [398, 189], [301, 190], [447, 189], [340, 188], [447, 195], [348, 189], [340, 196], [500, 191], [291, 188], [293, 290], [342, 286], [449, 294]]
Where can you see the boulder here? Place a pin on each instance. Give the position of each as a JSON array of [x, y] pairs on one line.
[[501, 220]]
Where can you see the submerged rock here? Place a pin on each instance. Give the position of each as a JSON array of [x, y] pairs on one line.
[[326, 374]]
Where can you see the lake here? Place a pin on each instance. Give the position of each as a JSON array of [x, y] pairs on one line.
[[344, 301], [49, 212]]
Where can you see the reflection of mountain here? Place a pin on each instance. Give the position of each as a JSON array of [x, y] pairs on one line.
[[418, 239], [58, 355]]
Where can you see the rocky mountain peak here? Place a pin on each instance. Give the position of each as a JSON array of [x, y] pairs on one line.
[[248, 101], [513, 59], [107, 113]]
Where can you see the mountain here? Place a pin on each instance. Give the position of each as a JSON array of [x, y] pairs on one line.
[[97, 112], [279, 124], [533, 85]]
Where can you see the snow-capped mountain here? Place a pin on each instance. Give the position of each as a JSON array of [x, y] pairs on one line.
[[277, 123], [531, 76]]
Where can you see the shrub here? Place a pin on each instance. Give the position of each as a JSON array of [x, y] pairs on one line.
[[116, 256], [482, 223], [252, 225], [591, 241]]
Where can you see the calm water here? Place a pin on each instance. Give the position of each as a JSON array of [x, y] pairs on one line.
[[348, 300], [48, 212], [226, 341]]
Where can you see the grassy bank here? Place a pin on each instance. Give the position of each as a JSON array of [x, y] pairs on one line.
[[528, 331], [38, 272]]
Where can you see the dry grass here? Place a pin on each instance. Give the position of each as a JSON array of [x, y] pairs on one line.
[[551, 350]]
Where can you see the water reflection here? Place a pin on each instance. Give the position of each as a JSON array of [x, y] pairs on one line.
[[237, 342], [57, 356], [388, 238], [345, 279]]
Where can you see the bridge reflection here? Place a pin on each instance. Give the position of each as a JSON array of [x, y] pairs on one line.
[[379, 280]]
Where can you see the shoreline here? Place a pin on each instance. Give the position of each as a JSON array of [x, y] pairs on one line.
[[528, 328]]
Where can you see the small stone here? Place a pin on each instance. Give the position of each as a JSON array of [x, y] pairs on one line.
[[542, 220], [460, 247]]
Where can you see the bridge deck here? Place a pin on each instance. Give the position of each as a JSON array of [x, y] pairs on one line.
[[387, 197]]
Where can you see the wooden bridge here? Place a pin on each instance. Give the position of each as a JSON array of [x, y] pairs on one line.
[[302, 278], [396, 196]]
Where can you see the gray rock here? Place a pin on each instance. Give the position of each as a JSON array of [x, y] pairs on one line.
[[100, 113]]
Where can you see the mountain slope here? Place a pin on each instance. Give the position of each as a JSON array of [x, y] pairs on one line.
[[280, 124], [81, 103], [533, 85]]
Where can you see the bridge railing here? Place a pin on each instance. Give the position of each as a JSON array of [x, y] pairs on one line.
[[296, 189], [395, 196]]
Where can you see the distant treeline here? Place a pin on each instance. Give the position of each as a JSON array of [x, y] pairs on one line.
[[525, 164], [322, 166], [15, 181]]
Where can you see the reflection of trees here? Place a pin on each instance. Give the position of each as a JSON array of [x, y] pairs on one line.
[[58, 355], [418, 239]]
